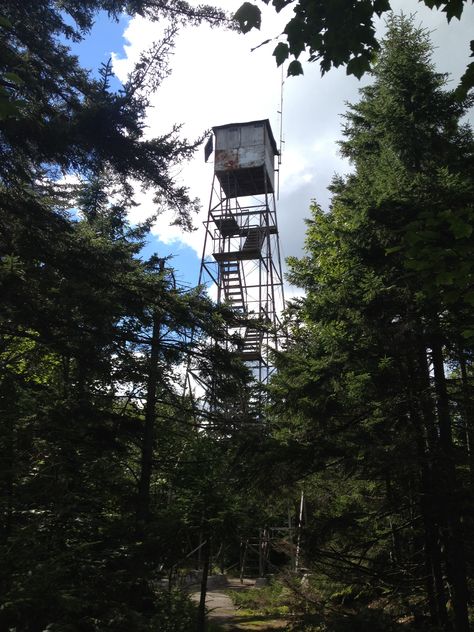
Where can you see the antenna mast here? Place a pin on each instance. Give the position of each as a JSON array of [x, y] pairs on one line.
[[280, 140]]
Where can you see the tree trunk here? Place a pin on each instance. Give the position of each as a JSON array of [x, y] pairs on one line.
[[143, 502], [468, 414], [433, 566], [433, 569], [201, 615], [454, 545], [422, 415]]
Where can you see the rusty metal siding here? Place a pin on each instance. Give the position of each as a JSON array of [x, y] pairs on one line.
[[240, 147], [245, 153], [240, 158]]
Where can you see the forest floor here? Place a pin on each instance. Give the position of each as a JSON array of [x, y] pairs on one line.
[[224, 616]]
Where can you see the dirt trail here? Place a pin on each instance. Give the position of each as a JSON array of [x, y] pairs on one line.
[[222, 611]]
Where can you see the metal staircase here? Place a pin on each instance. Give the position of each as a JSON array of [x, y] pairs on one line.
[[241, 253], [251, 350], [231, 284]]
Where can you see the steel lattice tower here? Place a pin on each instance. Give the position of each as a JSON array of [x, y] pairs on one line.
[[241, 253]]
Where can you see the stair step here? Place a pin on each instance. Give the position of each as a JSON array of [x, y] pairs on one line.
[[231, 283]]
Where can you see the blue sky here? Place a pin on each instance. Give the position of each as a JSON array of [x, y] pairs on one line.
[[106, 36]]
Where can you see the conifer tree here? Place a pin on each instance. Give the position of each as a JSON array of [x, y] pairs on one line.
[[76, 329], [386, 304]]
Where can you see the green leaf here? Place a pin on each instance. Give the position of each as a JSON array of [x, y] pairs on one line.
[[294, 30], [466, 83], [381, 6], [453, 9], [357, 66], [296, 33], [295, 68], [248, 16], [279, 4], [281, 53]]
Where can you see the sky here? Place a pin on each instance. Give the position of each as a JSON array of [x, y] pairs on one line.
[[217, 79]]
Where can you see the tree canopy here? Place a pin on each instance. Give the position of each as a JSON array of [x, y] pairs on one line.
[[337, 33], [114, 481], [99, 449], [372, 388]]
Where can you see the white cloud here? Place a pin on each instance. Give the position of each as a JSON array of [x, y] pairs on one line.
[[216, 79]]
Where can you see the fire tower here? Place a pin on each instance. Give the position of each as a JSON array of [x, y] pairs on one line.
[[241, 254]]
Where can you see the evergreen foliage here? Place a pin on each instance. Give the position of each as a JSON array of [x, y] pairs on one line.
[[110, 479], [95, 483], [371, 388]]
